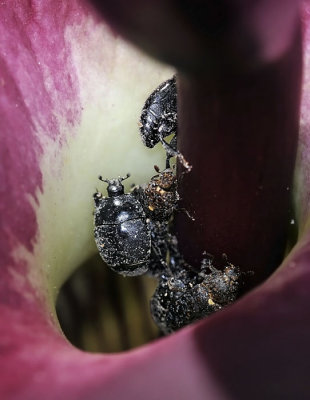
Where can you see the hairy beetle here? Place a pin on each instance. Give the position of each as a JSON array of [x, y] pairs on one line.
[[121, 230], [187, 296], [159, 197]]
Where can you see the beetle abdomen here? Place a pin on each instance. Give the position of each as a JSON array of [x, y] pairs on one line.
[[122, 235], [125, 247]]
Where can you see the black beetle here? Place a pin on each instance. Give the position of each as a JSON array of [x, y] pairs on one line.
[[186, 296], [131, 230], [159, 119], [159, 115], [121, 231], [159, 197]]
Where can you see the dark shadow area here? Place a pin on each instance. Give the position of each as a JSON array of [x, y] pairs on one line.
[[101, 311]]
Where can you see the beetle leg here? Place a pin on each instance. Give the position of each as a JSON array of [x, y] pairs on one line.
[[97, 197], [186, 212], [156, 251], [171, 152]]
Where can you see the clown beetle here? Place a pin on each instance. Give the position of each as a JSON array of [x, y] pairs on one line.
[[122, 233], [131, 230]]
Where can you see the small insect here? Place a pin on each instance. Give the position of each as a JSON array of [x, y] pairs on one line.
[[159, 114], [159, 119], [131, 229], [122, 234], [188, 296], [160, 197]]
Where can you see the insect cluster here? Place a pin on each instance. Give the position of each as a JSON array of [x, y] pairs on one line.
[[132, 230]]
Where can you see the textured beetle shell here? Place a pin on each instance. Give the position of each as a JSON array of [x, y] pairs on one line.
[[187, 296], [159, 114], [160, 197], [176, 304], [122, 234]]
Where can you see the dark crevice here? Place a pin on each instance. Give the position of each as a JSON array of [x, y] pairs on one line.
[[100, 311]]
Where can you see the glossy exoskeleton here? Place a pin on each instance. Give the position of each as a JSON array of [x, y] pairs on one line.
[[159, 114], [159, 119], [121, 230], [187, 296], [131, 229]]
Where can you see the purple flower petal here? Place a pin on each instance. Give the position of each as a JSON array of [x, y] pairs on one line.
[[257, 348], [302, 173]]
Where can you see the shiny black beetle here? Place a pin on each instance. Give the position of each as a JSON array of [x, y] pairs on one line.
[[131, 229], [159, 115], [159, 119], [121, 231]]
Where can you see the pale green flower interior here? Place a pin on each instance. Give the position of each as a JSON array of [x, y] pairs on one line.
[[114, 82]]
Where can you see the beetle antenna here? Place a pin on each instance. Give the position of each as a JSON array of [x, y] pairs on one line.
[[171, 152], [103, 180], [124, 177]]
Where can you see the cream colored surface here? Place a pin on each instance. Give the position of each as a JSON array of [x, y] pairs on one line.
[[115, 80]]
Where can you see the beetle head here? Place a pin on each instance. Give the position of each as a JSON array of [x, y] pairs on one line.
[[115, 186]]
